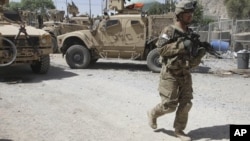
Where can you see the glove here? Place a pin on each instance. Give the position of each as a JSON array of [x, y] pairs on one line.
[[201, 52], [188, 45], [196, 60]]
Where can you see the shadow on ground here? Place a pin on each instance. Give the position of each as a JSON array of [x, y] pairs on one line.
[[5, 140], [218, 132], [214, 133], [168, 132], [201, 69], [137, 67], [119, 66], [24, 74]]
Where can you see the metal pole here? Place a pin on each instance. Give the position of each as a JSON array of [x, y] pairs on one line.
[[170, 6], [102, 6], [90, 8], [106, 6], [105, 10], [165, 7], [67, 9]]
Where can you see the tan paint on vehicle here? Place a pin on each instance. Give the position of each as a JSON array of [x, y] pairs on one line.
[[22, 44], [130, 34]]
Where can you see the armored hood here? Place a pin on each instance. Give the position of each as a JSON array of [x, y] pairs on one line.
[[12, 30]]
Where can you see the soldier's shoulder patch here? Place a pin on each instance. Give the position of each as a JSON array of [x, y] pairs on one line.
[[169, 31], [165, 36]]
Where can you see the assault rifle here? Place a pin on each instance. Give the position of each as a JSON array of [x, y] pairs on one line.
[[197, 43]]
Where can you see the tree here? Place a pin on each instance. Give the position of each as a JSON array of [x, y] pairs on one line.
[[158, 8], [238, 9], [198, 14], [14, 6], [39, 6]]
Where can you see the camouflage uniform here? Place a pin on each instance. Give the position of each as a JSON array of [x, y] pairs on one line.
[[175, 85], [179, 54]]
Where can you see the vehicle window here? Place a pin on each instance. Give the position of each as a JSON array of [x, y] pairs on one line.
[[133, 22], [111, 23]]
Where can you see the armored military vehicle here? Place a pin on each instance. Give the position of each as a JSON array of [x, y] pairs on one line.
[[21, 44], [58, 25], [127, 34]]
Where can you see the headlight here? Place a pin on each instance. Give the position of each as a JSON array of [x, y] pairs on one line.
[[45, 39]]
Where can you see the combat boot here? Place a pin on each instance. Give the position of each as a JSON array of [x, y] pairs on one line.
[[181, 135], [152, 120], [156, 112]]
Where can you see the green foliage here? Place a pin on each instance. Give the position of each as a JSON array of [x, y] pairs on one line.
[[198, 14], [32, 5], [158, 8], [14, 6], [206, 21], [238, 9]]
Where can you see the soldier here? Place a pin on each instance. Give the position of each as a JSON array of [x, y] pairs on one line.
[[175, 87]]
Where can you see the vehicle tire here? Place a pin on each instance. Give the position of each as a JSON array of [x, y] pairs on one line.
[[54, 44], [41, 66], [93, 61], [78, 57], [153, 61]]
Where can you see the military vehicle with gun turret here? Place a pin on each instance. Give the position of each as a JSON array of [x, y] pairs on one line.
[[58, 25], [21, 44], [129, 33]]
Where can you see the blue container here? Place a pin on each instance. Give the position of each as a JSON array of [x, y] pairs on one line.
[[219, 45]]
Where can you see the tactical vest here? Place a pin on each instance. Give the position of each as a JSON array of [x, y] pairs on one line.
[[177, 61]]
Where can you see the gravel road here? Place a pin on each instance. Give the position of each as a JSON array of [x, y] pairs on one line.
[[109, 101]]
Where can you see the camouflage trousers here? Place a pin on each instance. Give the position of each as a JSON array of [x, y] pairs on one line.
[[175, 89]]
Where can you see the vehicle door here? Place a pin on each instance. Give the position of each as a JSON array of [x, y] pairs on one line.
[[135, 32], [111, 33]]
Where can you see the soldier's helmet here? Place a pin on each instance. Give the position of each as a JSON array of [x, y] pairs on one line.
[[185, 6]]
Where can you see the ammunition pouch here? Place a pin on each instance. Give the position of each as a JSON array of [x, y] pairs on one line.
[[176, 62], [161, 42]]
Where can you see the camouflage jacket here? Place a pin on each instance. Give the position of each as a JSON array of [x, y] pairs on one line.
[[172, 51]]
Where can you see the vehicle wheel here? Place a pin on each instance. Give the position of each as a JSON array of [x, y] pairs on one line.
[[153, 61], [78, 57], [93, 61], [41, 66], [54, 44]]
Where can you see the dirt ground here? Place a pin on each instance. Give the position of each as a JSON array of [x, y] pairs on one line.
[[109, 101]]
